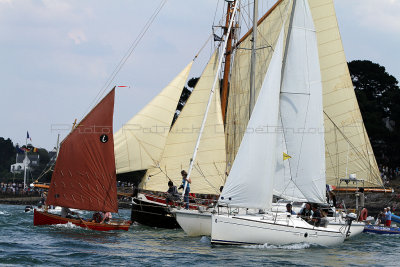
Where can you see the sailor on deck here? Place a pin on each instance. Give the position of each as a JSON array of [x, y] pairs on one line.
[[66, 212], [187, 181]]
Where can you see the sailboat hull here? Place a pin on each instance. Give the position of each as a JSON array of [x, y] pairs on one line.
[[356, 228], [152, 214], [45, 218], [193, 222], [259, 230]]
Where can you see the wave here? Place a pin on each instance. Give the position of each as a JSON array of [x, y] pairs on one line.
[[205, 239], [66, 225], [286, 247]]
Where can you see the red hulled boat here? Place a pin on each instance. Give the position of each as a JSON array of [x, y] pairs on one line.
[[84, 176]]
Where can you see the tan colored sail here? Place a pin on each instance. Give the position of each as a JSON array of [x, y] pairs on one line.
[[140, 142], [238, 103], [209, 167], [346, 141], [84, 175]]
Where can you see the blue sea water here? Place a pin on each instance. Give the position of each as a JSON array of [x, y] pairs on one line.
[[22, 244]]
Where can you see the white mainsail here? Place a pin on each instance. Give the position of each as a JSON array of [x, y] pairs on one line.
[[301, 107], [252, 172], [208, 173], [139, 144]]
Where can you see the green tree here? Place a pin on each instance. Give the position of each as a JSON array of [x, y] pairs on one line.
[[378, 95], [7, 156]]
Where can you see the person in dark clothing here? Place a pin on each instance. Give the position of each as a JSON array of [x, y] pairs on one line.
[[289, 209], [332, 197], [306, 212], [172, 193], [185, 183], [316, 217]]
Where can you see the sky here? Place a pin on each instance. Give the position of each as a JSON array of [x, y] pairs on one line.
[[57, 55]]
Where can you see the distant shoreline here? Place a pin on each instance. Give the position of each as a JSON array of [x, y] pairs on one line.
[[34, 200]]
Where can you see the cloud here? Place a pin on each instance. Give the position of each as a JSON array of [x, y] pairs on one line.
[[78, 36], [381, 15]]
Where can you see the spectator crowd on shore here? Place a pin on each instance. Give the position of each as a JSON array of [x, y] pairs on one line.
[[18, 189], [388, 174]]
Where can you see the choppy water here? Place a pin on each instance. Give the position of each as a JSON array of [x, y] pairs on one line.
[[22, 244]]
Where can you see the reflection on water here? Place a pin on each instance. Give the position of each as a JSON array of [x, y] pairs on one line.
[[23, 244]]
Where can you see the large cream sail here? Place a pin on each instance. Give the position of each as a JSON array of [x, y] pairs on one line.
[[348, 149], [139, 144], [208, 173]]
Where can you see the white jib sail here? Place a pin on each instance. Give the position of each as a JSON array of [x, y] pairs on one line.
[[139, 144], [284, 186], [250, 181], [301, 107]]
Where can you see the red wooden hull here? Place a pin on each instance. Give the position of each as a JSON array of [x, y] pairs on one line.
[[45, 218]]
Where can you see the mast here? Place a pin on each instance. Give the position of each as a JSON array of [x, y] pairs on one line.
[[253, 59], [25, 160], [228, 53], [209, 99], [288, 38], [58, 145]]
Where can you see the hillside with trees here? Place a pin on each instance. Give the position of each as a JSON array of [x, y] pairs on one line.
[[378, 96]]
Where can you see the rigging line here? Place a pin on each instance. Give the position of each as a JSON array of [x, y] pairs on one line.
[[219, 173], [127, 54], [204, 45], [216, 8], [165, 173], [141, 144], [369, 160], [348, 141], [197, 166]]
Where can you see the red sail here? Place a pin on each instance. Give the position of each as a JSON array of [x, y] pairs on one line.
[[84, 176]]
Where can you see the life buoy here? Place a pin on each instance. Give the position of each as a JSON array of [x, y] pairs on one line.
[[363, 215]]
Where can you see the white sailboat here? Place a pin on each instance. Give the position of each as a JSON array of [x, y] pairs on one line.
[[291, 97], [340, 109]]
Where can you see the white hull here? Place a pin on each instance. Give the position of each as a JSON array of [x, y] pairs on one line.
[[196, 223], [356, 228], [193, 222], [262, 229]]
